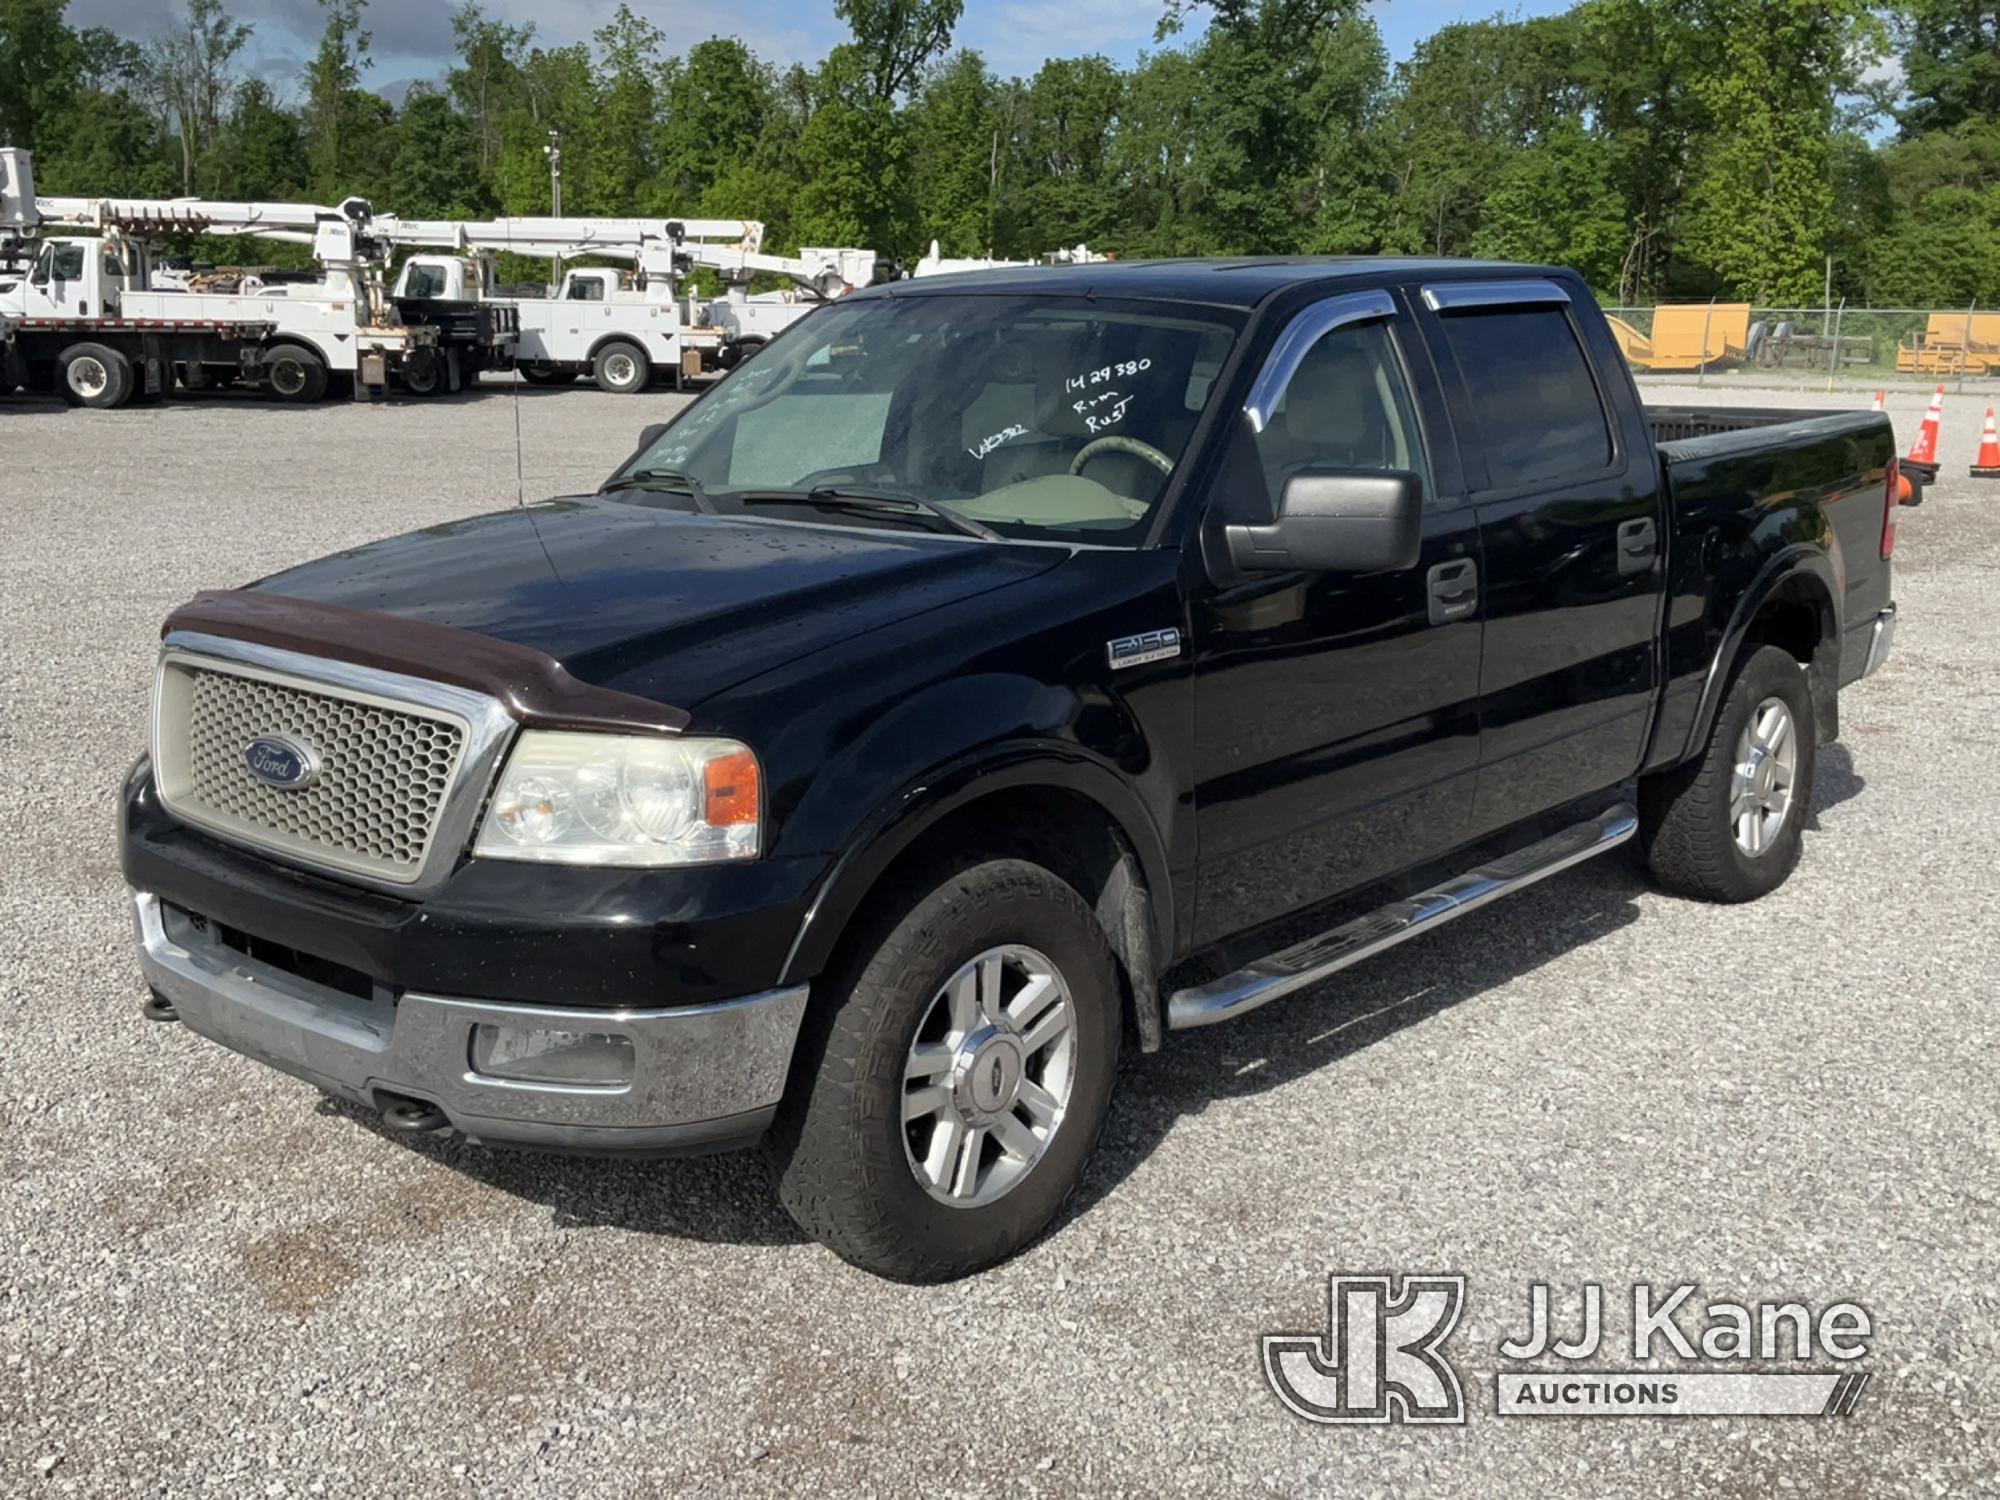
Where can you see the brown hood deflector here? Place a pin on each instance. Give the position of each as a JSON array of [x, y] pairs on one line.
[[532, 686]]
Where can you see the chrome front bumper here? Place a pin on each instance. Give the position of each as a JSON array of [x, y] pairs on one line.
[[1880, 638], [704, 1076]]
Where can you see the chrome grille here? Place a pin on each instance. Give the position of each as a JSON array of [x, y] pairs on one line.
[[386, 770]]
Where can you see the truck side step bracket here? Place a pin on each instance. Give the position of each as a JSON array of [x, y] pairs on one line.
[[1306, 963]]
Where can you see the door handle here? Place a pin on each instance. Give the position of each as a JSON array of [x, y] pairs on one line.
[[1638, 546], [1454, 590]]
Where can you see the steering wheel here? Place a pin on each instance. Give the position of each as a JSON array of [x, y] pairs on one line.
[[1117, 442]]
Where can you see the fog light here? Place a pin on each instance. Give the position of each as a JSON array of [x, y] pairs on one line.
[[538, 1055]]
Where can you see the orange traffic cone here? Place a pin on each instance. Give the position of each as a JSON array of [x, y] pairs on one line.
[[1987, 465], [1878, 401], [1924, 449]]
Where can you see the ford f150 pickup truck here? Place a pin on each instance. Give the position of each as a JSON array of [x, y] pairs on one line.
[[993, 672]]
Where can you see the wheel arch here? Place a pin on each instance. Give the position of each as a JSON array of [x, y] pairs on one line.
[[1051, 804], [636, 340], [303, 341], [1793, 603]]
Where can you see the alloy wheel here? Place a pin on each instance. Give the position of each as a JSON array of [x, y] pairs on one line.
[[987, 1081]]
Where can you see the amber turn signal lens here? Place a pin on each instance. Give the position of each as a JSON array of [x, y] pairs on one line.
[[732, 792]]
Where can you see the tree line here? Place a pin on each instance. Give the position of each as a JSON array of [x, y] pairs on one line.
[[1668, 149]]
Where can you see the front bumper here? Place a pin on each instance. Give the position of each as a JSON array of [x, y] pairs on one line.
[[705, 1077]]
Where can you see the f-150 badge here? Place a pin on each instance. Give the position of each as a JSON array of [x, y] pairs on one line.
[[1136, 650]]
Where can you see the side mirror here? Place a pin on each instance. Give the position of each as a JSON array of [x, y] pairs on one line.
[[39, 276], [649, 435], [1337, 521]]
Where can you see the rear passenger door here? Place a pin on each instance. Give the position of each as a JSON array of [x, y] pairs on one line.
[[1571, 525]]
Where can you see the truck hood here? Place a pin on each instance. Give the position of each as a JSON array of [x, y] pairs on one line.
[[669, 606]]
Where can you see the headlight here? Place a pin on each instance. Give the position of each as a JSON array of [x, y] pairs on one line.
[[613, 799]]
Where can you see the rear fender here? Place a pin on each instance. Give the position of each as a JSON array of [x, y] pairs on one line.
[[1818, 565]]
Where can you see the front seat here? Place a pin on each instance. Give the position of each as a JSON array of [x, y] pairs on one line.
[[1332, 416]]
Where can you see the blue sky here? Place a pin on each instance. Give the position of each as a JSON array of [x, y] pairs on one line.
[[413, 37]]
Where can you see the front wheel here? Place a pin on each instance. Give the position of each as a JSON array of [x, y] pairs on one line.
[[94, 376], [543, 372], [947, 1098], [1730, 826]]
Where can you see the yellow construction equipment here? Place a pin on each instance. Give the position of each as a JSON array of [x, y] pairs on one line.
[[1953, 343], [1688, 336]]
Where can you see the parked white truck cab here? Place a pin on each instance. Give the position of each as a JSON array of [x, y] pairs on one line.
[[312, 331], [619, 327], [96, 288]]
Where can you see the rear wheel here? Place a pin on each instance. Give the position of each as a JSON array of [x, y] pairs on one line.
[[622, 368], [424, 377], [93, 375], [293, 372], [945, 1101], [1730, 826], [735, 351], [541, 372]]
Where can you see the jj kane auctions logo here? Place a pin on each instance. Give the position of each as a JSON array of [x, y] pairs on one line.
[[1381, 1357]]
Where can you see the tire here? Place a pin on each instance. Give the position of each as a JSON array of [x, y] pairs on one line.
[[425, 378], [735, 351], [1691, 823], [293, 372], [537, 372], [850, 1169], [621, 368], [94, 376]]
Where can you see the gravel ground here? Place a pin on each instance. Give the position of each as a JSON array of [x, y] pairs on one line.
[[215, 1283]]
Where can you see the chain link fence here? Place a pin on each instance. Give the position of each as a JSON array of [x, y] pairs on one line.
[[1837, 345]]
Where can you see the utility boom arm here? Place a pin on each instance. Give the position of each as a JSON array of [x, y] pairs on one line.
[[732, 248], [621, 238]]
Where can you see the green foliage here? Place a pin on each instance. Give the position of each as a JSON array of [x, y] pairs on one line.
[[39, 61], [958, 111], [435, 171], [191, 74], [1951, 63], [1665, 148], [895, 40]]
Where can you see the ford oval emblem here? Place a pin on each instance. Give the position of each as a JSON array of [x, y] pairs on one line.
[[281, 762]]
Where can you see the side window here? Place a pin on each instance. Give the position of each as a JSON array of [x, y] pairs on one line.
[[1537, 408], [1347, 407], [69, 262]]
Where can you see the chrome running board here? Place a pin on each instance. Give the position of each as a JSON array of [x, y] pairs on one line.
[[1307, 963]]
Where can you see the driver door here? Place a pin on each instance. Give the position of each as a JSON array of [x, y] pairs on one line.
[[1336, 714]]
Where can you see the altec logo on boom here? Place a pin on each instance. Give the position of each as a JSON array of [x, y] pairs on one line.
[[1381, 1358]]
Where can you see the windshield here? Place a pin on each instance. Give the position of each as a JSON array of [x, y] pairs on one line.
[[1048, 417]]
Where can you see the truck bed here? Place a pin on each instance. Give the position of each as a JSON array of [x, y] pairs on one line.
[[1674, 424], [1737, 470]]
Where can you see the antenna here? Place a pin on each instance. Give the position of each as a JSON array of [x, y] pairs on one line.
[[520, 483]]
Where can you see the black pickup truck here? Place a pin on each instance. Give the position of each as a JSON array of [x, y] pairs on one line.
[[973, 683]]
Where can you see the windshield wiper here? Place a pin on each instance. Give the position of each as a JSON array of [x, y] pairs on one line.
[[889, 504], [671, 481]]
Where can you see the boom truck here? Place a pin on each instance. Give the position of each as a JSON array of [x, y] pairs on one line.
[[92, 325], [617, 326]]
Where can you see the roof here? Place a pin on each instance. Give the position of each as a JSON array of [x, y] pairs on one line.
[[1239, 281]]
